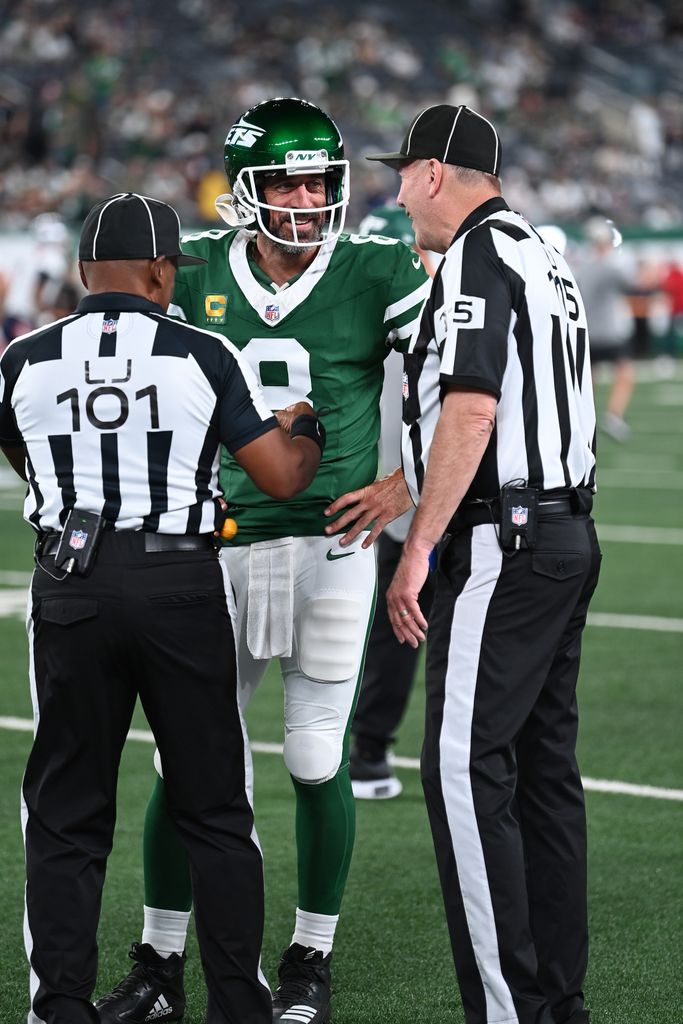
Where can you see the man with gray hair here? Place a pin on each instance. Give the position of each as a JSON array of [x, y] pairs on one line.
[[498, 432]]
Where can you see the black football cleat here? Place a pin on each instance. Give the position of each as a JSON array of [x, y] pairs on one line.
[[152, 991], [372, 777], [304, 991]]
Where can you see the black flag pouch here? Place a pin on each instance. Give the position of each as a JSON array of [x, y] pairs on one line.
[[518, 516], [78, 545]]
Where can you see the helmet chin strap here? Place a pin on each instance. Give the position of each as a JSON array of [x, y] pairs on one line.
[[233, 214]]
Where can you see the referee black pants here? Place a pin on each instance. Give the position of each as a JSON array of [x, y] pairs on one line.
[[501, 781], [157, 625]]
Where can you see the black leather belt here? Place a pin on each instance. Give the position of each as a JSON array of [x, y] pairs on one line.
[[475, 513], [177, 542], [149, 542]]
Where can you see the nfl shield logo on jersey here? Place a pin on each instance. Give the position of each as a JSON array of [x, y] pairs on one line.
[[272, 314], [404, 385], [519, 515], [77, 539], [109, 326]]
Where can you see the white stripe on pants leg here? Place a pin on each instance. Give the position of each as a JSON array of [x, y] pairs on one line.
[[469, 616]]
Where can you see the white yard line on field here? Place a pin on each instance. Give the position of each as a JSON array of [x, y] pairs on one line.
[[663, 462], [9, 578], [596, 785], [607, 532], [657, 624], [632, 534], [655, 479], [13, 604], [672, 395]]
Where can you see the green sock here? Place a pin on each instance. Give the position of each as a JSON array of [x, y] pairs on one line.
[[325, 831], [167, 869]]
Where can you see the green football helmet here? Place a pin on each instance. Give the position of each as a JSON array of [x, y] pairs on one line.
[[290, 136]]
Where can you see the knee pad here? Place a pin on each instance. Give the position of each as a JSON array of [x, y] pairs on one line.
[[157, 763], [331, 639], [312, 757]]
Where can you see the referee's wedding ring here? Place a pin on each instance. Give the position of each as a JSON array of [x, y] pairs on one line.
[[403, 612]]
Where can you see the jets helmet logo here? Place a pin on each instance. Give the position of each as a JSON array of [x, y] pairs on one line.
[[244, 134]]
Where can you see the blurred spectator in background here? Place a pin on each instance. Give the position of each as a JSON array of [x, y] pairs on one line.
[[604, 286], [108, 95], [11, 326], [672, 286]]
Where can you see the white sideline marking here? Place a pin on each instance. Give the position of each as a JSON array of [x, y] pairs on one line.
[[596, 785]]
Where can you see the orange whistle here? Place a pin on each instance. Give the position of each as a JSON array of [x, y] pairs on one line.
[[228, 529]]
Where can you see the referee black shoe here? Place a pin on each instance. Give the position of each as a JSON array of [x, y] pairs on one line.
[[305, 986], [152, 991], [372, 777]]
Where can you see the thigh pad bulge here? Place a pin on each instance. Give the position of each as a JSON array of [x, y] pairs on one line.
[[331, 636]]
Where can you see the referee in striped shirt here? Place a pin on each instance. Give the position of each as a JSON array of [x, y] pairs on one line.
[[499, 451], [115, 416]]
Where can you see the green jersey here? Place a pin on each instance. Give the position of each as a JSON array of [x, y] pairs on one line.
[[322, 337]]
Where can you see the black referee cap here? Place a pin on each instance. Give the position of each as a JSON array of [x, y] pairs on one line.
[[132, 227], [452, 135]]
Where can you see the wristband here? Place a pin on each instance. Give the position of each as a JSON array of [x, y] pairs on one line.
[[309, 426]]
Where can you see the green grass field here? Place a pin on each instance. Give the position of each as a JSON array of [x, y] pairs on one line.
[[392, 962]]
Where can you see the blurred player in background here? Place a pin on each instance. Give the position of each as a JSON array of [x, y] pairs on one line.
[[315, 313], [389, 667], [604, 285], [31, 284]]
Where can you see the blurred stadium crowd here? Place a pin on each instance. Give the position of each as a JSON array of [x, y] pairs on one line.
[[126, 94], [131, 94]]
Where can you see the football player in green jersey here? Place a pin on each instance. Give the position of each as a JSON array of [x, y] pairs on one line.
[[315, 312]]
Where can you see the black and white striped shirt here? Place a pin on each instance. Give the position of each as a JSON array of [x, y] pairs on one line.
[[505, 316], [122, 411]]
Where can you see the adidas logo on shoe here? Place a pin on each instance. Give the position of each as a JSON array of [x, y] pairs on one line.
[[303, 995], [299, 1013], [151, 991], [160, 1009]]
